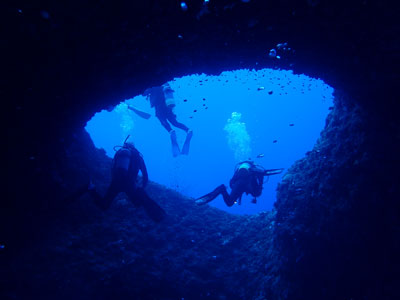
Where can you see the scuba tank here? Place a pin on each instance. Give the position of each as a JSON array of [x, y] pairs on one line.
[[256, 173], [169, 96], [122, 159], [170, 102], [243, 165]]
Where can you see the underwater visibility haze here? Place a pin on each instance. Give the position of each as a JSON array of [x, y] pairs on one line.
[[272, 117]]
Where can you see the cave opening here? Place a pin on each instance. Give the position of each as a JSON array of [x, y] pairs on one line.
[[270, 116]]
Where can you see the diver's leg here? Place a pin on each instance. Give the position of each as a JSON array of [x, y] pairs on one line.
[[211, 196], [236, 193], [133, 195], [174, 142], [139, 197], [186, 144], [153, 210], [179, 125], [189, 133], [172, 119], [164, 122], [104, 203]]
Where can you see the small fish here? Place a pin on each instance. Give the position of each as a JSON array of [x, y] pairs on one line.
[[274, 141], [270, 92], [261, 155], [272, 53], [261, 88], [281, 45], [291, 124], [184, 6]]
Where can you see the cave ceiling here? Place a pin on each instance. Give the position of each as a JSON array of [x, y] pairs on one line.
[[66, 60]]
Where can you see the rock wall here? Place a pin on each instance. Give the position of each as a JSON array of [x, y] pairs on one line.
[[335, 232]]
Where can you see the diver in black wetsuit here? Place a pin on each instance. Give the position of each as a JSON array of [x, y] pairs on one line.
[[248, 178], [161, 98], [126, 165]]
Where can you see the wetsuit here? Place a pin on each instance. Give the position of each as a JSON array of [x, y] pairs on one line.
[[248, 178], [164, 112], [126, 165]]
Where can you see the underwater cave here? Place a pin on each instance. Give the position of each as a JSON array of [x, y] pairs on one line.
[[272, 117], [328, 231]]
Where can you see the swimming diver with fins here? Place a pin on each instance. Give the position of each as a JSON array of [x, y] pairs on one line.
[[127, 163], [161, 98], [247, 178]]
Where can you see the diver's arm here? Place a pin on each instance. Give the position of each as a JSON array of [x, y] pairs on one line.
[[143, 169]]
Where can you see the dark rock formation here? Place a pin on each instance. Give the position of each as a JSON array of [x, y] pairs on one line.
[[195, 253], [337, 217], [336, 230]]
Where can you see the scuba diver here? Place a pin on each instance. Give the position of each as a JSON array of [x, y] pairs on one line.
[[161, 98], [248, 178], [126, 165]]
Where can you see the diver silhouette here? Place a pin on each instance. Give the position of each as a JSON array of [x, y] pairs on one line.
[[126, 165], [161, 98], [247, 178]]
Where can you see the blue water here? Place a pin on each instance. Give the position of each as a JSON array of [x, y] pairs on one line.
[[282, 126]]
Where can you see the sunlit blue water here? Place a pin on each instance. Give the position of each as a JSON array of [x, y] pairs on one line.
[[283, 126]]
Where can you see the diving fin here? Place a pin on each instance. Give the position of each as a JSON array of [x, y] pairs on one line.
[[186, 145], [273, 172], [140, 113], [153, 210], [202, 200], [175, 147], [209, 197]]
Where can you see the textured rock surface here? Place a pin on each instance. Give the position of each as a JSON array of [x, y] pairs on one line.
[[338, 216], [195, 253]]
